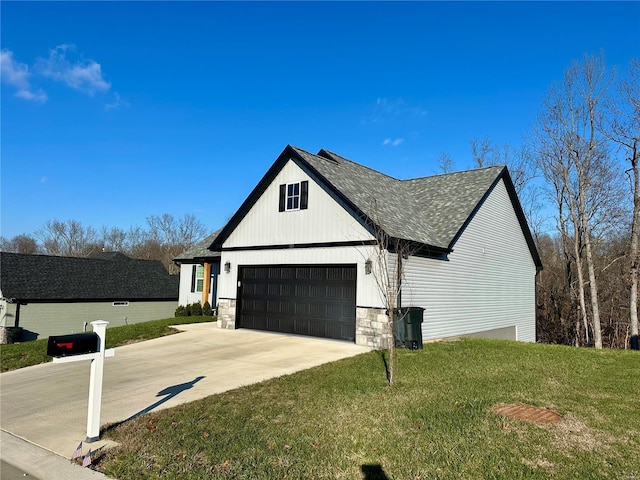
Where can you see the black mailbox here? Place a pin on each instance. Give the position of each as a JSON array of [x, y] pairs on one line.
[[77, 344]]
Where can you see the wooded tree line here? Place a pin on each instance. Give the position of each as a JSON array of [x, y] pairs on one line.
[[577, 179], [163, 238], [585, 146]]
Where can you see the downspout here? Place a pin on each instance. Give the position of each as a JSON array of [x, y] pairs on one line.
[[535, 304], [399, 279], [16, 323]]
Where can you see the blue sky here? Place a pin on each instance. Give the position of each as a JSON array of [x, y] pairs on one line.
[[112, 112]]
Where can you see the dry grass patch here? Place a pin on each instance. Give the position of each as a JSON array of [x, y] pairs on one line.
[[574, 434]]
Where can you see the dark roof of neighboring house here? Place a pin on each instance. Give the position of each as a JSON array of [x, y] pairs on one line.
[[200, 251], [432, 211], [105, 276]]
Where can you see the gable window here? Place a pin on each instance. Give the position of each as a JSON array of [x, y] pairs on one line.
[[294, 196], [197, 278]]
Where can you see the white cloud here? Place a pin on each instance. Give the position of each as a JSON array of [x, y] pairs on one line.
[[82, 75], [17, 75], [117, 102], [387, 109], [393, 143]]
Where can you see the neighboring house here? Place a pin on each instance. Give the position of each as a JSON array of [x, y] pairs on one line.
[[50, 295], [296, 257], [199, 271]]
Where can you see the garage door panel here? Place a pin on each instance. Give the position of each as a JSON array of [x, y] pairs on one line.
[[306, 300]]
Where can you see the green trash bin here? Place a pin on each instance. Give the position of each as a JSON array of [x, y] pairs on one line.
[[407, 327]]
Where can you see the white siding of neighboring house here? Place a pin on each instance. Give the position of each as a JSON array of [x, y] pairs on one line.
[[6, 318], [488, 282], [324, 220], [46, 319]]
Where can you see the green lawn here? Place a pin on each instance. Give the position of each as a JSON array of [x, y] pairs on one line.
[[342, 421], [25, 354]]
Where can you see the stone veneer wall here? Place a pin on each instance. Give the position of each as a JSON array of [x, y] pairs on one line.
[[227, 313], [372, 328], [371, 323]]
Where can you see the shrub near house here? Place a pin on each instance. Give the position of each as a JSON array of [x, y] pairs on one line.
[[194, 309]]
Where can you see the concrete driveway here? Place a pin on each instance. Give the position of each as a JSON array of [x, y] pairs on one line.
[[47, 404]]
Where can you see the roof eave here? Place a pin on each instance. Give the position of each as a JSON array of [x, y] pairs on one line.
[[522, 220]]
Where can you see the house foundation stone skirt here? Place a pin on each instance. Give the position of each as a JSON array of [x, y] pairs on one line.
[[372, 328], [227, 313]]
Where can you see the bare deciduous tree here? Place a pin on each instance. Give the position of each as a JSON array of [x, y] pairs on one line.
[[20, 244], [483, 152], [623, 127], [68, 238], [172, 236], [445, 163], [574, 158], [114, 239], [388, 272]]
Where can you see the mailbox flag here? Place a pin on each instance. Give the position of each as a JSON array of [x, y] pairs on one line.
[[77, 453], [87, 459]]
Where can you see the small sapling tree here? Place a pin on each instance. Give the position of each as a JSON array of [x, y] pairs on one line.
[[387, 268]]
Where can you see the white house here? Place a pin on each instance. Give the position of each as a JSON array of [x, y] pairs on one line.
[[296, 257]]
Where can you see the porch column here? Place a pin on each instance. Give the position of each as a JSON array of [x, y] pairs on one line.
[[207, 283]]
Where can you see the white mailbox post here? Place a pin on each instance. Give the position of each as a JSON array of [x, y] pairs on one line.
[[95, 381]]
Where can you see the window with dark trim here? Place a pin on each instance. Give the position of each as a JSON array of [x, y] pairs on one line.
[[197, 278], [294, 196]]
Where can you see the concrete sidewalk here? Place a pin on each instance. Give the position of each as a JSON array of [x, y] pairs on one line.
[[47, 404], [36, 463]]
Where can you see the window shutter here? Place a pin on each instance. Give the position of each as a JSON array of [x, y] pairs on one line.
[[304, 195], [283, 192], [193, 278]]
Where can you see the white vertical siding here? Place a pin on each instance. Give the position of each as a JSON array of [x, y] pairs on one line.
[[367, 294], [487, 283], [6, 318], [323, 221], [186, 296]]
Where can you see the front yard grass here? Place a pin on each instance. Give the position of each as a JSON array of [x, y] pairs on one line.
[[19, 355], [342, 421]]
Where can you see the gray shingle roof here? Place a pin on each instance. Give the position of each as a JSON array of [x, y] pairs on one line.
[[432, 211], [428, 210], [105, 277], [199, 250]]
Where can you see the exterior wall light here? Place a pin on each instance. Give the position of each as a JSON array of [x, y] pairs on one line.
[[367, 267], [227, 267]]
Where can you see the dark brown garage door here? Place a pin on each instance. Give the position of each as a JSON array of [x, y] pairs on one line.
[[316, 300]]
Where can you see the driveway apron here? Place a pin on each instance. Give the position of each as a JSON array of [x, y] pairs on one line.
[[47, 404]]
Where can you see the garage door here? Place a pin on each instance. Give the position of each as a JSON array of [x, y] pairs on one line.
[[316, 300]]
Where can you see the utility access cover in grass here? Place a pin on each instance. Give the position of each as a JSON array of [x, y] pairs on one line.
[[529, 413]]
